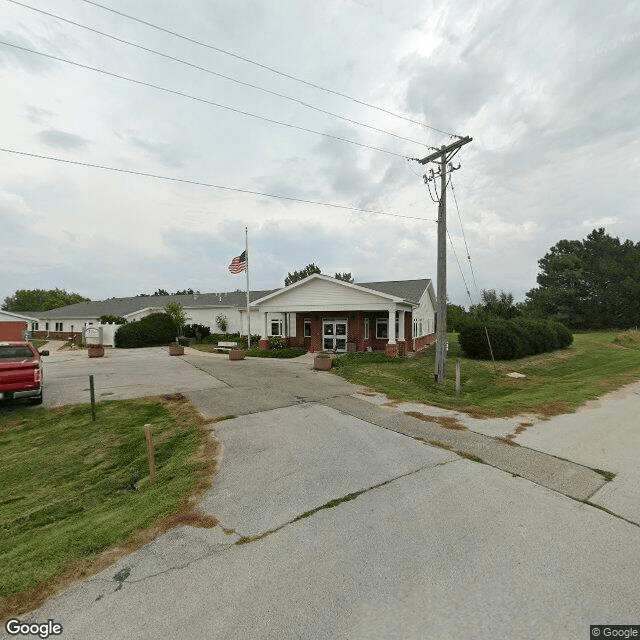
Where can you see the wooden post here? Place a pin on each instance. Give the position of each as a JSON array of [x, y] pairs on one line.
[[150, 458], [458, 378], [93, 399]]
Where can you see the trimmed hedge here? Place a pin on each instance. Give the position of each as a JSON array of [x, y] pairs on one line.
[[511, 339], [152, 330]]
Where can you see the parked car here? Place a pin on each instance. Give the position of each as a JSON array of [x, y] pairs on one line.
[[21, 371]]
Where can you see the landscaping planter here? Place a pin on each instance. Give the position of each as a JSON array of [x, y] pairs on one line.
[[322, 363], [176, 350], [236, 354], [95, 352]]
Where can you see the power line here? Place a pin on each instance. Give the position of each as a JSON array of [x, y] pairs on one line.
[[268, 68], [203, 100], [216, 73], [212, 186], [465, 240], [459, 266]]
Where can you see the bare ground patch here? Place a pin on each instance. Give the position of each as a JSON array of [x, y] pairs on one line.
[[444, 421]]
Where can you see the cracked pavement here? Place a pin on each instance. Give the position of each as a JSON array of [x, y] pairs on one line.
[[337, 521]]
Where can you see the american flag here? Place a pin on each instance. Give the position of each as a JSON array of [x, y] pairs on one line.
[[239, 263]]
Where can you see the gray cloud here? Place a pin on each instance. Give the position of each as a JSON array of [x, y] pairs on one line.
[[62, 139], [12, 57]]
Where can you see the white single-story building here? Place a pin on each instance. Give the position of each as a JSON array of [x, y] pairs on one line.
[[319, 312]]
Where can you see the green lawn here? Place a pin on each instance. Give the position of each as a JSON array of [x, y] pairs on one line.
[[556, 382], [71, 488]]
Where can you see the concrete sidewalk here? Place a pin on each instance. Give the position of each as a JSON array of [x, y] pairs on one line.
[[571, 479]]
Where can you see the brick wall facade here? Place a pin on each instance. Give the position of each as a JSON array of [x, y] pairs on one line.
[[12, 330], [355, 330], [425, 341], [57, 335]]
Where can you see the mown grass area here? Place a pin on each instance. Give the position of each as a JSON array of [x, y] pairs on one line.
[[555, 383], [71, 488], [255, 352]]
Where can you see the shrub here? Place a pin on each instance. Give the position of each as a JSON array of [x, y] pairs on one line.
[[222, 323], [152, 330], [111, 320], [198, 331], [285, 352], [512, 339], [275, 342]]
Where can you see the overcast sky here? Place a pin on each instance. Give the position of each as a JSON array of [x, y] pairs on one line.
[[549, 92]]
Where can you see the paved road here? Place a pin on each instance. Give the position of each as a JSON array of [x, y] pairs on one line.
[[333, 526]]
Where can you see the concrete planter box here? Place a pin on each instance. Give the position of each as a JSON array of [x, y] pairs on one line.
[[95, 352], [322, 363], [236, 354], [176, 350]]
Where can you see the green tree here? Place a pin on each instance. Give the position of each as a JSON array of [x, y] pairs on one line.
[[40, 299], [457, 317], [309, 270], [495, 305], [177, 314], [345, 277], [589, 284], [111, 319]]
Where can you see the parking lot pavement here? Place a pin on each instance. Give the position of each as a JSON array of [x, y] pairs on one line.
[[262, 384], [414, 545], [604, 434], [121, 374]]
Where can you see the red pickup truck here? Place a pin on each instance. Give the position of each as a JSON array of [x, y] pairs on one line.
[[21, 371]]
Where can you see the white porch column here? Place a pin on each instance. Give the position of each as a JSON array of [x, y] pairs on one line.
[[392, 326], [265, 333], [401, 326]]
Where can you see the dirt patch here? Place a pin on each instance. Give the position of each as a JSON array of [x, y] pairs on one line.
[[470, 456], [557, 408], [439, 443], [480, 413], [443, 421], [174, 397], [507, 440]]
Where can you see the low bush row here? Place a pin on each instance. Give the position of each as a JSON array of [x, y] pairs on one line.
[[152, 330], [511, 339]]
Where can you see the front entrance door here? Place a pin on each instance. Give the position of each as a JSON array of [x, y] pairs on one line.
[[334, 334]]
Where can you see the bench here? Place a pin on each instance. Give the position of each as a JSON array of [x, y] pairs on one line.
[[227, 346]]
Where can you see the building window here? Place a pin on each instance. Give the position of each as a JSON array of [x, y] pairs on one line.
[[366, 328], [397, 323], [276, 327], [34, 326], [307, 327], [59, 326], [382, 328]]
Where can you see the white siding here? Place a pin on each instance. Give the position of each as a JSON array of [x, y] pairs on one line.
[[424, 315], [321, 295]]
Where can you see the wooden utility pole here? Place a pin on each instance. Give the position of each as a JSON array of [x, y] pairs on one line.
[[443, 157]]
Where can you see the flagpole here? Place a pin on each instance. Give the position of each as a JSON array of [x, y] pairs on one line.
[[246, 249]]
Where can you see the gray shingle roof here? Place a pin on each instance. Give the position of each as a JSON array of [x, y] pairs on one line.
[[410, 290], [124, 306]]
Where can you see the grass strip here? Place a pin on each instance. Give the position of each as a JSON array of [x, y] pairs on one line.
[[554, 383], [72, 490]]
